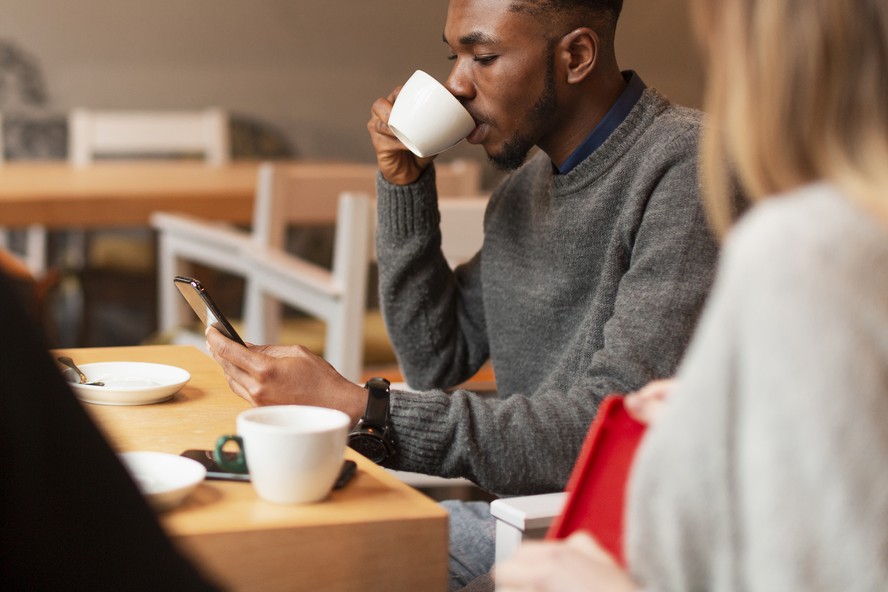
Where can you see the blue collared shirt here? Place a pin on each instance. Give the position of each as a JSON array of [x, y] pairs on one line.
[[618, 112]]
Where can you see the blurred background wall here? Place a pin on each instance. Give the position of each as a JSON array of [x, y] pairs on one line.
[[308, 70]]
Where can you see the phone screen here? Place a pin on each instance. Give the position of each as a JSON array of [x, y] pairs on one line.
[[204, 307]]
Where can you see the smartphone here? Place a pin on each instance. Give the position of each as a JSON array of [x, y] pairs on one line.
[[206, 310], [214, 471], [349, 468]]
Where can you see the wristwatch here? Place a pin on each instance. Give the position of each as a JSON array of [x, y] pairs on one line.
[[373, 437]]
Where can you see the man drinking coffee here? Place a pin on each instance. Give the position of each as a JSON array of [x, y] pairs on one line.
[[595, 264]]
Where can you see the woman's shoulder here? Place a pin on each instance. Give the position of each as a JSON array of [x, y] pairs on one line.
[[812, 226], [806, 211]]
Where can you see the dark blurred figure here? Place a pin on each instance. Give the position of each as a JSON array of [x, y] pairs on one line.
[[71, 518]]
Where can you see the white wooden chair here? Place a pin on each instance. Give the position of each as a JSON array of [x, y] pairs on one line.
[[522, 518], [336, 296], [97, 134], [287, 195]]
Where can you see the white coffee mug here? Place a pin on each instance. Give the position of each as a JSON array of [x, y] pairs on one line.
[[293, 452], [427, 118]]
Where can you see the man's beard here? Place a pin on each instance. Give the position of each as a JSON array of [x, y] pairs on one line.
[[515, 149]]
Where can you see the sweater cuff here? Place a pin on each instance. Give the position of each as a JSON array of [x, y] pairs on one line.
[[419, 431], [406, 210]]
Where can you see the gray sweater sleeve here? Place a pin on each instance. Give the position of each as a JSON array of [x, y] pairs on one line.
[[419, 289]]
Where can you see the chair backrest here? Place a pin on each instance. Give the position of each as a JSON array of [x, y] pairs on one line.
[[462, 226], [304, 194], [94, 134]]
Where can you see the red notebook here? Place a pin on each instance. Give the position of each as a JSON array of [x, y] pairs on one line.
[[597, 485]]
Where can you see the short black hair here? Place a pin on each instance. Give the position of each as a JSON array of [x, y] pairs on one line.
[[611, 8]]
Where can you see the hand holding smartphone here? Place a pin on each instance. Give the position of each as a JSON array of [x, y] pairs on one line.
[[204, 307]]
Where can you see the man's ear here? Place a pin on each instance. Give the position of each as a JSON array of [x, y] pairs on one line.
[[580, 49]]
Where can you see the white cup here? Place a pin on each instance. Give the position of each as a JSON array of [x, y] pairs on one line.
[[427, 118], [293, 452]]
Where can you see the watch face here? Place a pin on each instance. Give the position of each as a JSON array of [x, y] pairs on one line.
[[370, 446]]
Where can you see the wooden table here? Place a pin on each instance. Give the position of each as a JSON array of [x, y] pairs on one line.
[[58, 195], [375, 534]]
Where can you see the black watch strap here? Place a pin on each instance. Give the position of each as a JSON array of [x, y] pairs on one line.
[[377, 412], [372, 437]]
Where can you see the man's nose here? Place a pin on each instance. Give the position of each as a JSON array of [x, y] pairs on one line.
[[459, 83]]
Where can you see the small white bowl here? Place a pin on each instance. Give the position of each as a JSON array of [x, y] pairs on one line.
[[164, 479], [128, 383]]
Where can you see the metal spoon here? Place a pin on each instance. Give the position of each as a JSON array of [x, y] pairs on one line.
[[83, 379]]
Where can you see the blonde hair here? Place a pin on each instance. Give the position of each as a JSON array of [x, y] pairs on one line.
[[797, 92]]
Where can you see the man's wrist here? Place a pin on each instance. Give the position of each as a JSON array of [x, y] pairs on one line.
[[355, 402], [406, 174]]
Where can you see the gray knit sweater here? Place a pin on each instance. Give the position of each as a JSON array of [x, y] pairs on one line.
[[767, 470], [588, 283]]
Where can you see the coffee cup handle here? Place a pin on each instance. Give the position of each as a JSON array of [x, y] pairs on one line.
[[239, 463]]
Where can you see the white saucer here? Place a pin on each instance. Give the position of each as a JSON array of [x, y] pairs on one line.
[[164, 479], [128, 383]]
